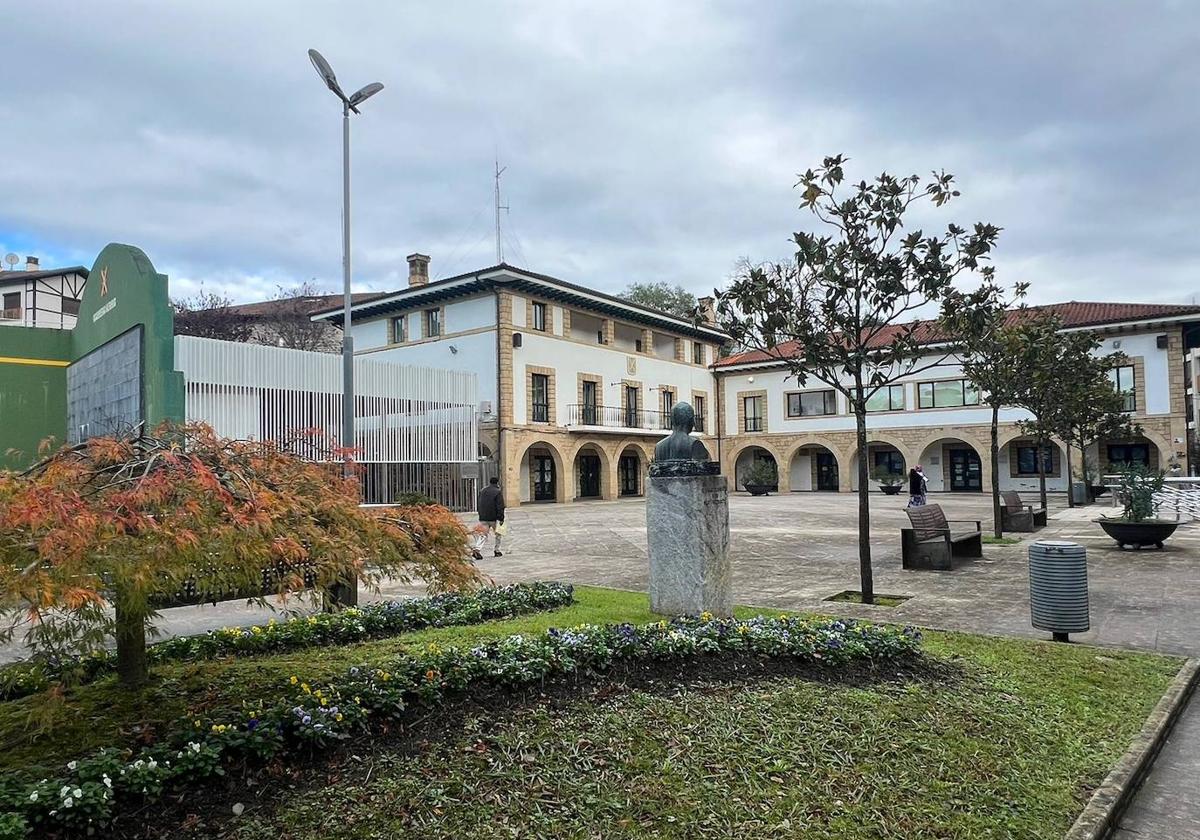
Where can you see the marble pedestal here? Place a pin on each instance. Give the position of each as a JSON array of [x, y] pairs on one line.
[[687, 524]]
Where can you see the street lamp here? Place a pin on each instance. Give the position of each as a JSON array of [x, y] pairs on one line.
[[349, 103]]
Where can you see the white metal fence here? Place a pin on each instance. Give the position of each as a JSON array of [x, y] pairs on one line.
[[414, 426], [1180, 496]]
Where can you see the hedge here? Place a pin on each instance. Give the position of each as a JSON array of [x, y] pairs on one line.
[[373, 621]]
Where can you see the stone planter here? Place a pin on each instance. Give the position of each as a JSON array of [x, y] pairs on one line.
[[1137, 534], [759, 489], [891, 489]]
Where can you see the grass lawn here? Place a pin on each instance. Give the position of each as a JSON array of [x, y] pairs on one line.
[[992, 539], [1009, 747]]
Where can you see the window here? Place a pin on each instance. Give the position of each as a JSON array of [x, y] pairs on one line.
[[12, 304], [1128, 454], [539, 317], [1122, 379], [589, 403], [433, 323], [70, 306], [811, 403], [400, 329], [1027, 460], [889, 461], [637, 345], [599, 336], [697, 353], [949, 394], [631, 406], [753, 407], [699, 409], [668, 403], [887, 398], [541, 397]]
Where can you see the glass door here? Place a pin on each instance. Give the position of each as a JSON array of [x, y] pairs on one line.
[[543, 478], [627, 470], [827, 472], [589, 404], [966, 471], [589, 476]]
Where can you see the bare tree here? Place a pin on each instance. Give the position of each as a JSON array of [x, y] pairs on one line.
[[290, 321], [210, 315]]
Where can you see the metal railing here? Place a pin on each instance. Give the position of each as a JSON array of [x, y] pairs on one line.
[[622, 417], [1180, 495]]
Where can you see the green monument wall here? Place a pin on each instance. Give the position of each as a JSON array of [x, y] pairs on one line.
[[123, 292]]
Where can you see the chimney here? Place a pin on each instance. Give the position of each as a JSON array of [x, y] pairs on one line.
[[708, 311], [418, 269], [31, 264]]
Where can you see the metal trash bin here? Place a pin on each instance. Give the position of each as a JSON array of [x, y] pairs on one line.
[[1058, 589], [1079, 492]]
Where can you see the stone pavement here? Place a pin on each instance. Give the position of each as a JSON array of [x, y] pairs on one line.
[[794, 550]]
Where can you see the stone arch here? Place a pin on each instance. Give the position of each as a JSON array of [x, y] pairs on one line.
[[806, 469], [522, 476], [631, 480], [877, 443], [955, 463], [744, 455], [585, 484]]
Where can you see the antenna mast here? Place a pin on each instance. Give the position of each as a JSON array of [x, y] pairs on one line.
[[499, 207]]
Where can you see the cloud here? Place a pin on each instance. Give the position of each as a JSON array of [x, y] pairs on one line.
[[643, 140]]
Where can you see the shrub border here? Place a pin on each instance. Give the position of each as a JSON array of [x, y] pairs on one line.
[[318, 716], [380, 620]]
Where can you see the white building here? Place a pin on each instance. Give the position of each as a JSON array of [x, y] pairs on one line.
[[574, 385], [41, 298]]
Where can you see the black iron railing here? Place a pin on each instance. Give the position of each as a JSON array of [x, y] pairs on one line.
[[623, 417]]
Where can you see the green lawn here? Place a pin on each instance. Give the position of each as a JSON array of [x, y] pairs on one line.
[[1010, 747]]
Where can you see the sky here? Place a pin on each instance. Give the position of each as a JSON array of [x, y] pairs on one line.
[[643, 141]]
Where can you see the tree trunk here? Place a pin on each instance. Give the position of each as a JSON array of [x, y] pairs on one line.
[[1070, 477], [1041, 462], [995, 454], [864, 510], [131, 645]]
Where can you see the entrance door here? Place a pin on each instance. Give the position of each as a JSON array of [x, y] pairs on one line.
[[627, 470], [966, 471], [589, 476], [543, 478], [827, 472], [589, 403]]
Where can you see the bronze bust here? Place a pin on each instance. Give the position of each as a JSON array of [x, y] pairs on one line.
[[680, 445]]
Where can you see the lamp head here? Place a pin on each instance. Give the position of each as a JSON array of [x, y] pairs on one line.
[[326, 73]]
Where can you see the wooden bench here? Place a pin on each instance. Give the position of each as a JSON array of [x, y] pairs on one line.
[[1015, 515], [931, 543]]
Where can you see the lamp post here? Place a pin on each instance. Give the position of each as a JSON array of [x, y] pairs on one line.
[[345, 594], [349, 103]]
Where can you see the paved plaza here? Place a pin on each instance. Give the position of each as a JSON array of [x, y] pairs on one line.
[[795, 550]]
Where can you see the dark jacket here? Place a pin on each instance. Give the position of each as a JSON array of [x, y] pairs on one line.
[[916, 483], [491, 504]]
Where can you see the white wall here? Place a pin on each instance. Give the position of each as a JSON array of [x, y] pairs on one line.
[[1158, 378], [569, 359]]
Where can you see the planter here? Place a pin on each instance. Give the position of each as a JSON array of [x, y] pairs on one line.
[[759, 489], [1137, 534], [891, 489]]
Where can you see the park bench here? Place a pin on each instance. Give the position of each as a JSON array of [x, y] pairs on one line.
[[1015, 515], [931, 543]]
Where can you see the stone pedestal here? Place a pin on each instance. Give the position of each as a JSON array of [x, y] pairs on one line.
[[687, 523]]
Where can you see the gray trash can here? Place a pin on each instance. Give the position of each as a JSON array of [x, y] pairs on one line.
[[1058, 590], [1079, 492]]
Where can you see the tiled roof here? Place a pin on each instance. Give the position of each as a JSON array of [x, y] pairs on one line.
[[303, 306], [1072, 314], [18, 276]]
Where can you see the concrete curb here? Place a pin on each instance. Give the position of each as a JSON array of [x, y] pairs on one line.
[[1100, 816]]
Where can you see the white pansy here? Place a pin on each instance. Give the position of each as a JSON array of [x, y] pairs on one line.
[[68, 802], [33, 797], [71, 765], [77, 793]]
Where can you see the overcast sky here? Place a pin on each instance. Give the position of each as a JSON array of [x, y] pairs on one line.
[[644, 141]]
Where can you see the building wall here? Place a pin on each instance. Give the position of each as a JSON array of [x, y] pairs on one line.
[[33, 391], [41, 299], [926, 435]]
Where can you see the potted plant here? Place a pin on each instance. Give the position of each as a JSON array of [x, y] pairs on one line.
[[889, 482], [761, 478], [1137, 525]]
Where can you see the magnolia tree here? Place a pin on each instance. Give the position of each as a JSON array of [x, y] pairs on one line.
[[842, 312], [98, 535], [990, 355], [1066, 388]]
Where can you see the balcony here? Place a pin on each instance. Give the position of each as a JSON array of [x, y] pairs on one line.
[[599, 417]]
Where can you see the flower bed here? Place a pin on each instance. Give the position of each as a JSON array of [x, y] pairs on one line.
[[308, 716], [373, 621]]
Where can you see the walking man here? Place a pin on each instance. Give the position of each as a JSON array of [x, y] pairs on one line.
[[491, 516]]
